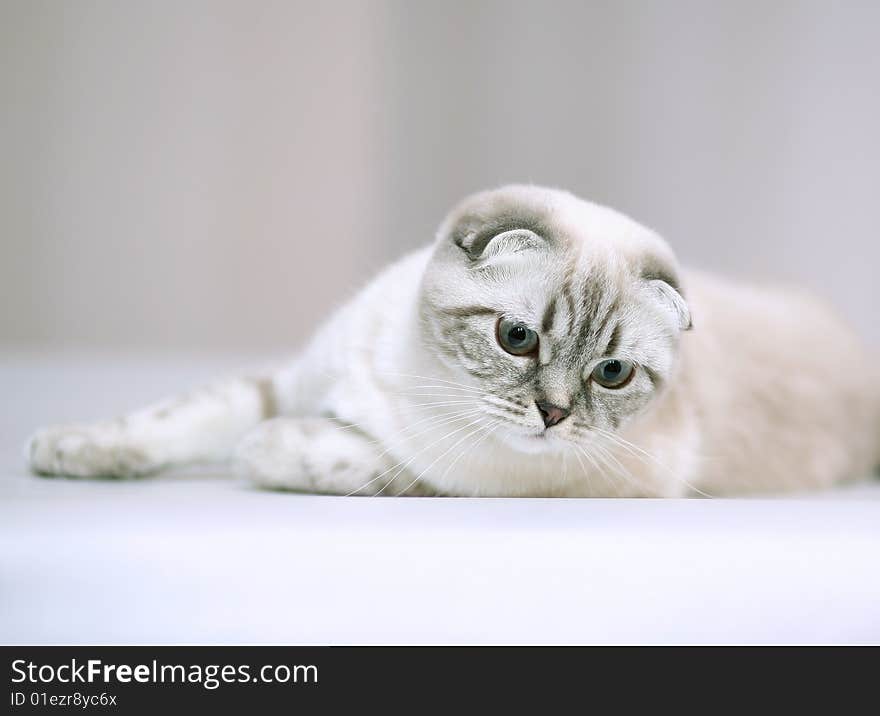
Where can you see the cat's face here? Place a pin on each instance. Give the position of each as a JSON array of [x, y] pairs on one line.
[[563, 314]]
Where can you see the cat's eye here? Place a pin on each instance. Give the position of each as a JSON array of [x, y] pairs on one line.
[[516, 338], [613, 373]]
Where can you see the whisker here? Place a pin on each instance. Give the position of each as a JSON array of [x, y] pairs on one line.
[[603, 469], [445, 387], [436, 442], [504, 403], [429, 418], [433, 426], [423, 377], [444, 403], [627, 445], [488, 397], [442, 395], [440, 456], [607, 458], [489, 430], [489, 401], [583, 467]]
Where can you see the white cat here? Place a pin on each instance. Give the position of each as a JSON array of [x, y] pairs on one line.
[[540, 347]]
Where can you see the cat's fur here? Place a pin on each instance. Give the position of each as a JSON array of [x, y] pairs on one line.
[[406, 389]]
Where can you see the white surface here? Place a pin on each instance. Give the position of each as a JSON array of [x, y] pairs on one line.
[[200, 558]]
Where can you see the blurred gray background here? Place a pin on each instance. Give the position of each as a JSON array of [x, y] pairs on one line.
[[218, 175]]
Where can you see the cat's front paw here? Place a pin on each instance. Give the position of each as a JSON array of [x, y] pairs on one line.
[[315, 455], [276, 455], [99, 450]]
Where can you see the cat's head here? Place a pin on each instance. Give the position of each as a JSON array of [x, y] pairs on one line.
[[563, 314]]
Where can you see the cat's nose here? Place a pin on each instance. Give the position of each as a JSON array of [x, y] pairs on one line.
[[551, 414]]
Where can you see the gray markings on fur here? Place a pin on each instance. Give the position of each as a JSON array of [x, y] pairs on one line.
[[268, 399], [473, 233], [613, 342], [549, 315], [568, 295], [467, 311], [583, 317]]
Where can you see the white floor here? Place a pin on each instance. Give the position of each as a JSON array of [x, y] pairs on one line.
[[200, 558]]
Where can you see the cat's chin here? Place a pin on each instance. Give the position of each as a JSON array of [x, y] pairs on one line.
[[532, 443]]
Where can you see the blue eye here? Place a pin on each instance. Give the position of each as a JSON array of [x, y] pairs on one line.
[[515, 338], [613, 373]]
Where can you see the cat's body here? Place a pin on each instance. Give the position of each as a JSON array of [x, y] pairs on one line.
[[538, 348]]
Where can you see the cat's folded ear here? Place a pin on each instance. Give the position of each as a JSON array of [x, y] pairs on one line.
[[663, 282], [491, 242], [486, 235]]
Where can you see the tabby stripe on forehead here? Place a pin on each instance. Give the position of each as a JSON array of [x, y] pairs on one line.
[[590, 307], [592, 301], [467, 311], [613, 342], [549, 315], [600, 323], [569, 300], [608, 316]]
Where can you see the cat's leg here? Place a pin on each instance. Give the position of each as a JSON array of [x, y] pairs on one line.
[[201, 426], [324, 456]]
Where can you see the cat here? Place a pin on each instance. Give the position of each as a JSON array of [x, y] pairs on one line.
[[542, 346]]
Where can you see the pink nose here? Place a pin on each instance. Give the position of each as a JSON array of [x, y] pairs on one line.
[[551, 414]]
